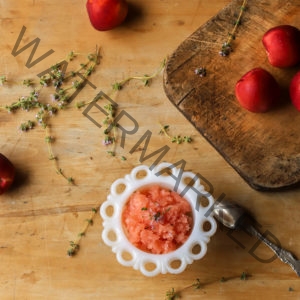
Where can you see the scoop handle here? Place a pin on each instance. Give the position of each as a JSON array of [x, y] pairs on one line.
[[283, 254]]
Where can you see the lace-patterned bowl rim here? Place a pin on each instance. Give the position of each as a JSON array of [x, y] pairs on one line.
[[175, 262]]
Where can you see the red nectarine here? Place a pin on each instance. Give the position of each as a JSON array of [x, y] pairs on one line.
[[295, 90], [282, 44], [257, 91], [7, 173], [106, 14]]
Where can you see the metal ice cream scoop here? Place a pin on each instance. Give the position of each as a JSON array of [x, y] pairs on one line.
[[234, 216]]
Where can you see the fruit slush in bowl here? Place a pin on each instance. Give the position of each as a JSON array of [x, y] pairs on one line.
[[158, 220]]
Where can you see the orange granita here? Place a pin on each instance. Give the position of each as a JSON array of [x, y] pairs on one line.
[[157, 220]]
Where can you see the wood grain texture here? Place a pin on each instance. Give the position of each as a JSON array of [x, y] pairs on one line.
[[263, 148]]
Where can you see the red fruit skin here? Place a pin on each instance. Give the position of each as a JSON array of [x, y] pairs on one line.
[[106, 14], [7, 174], [282, 45], [257, 91], [295, 90]]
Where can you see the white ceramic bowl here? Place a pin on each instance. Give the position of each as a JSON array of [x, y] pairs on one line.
[[194, 247]]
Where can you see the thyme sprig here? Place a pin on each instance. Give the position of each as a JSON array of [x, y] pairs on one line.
[[75, 245], [56, 77], [174, 139], [146, 79], [27, 125], [201, 71], [227, 46], [173, 294], [28, 82], [110, 128], [3, 79], [50, 140]]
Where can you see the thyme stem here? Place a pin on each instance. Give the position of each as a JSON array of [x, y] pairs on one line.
[[175, 139], [49, 140], [145, 78], [75, 245], [227, 47], [173, 294]]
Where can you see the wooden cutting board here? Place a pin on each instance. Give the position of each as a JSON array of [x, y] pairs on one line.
[[263, 148]]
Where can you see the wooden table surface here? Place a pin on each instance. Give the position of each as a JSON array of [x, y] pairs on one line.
[[42, 212]]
